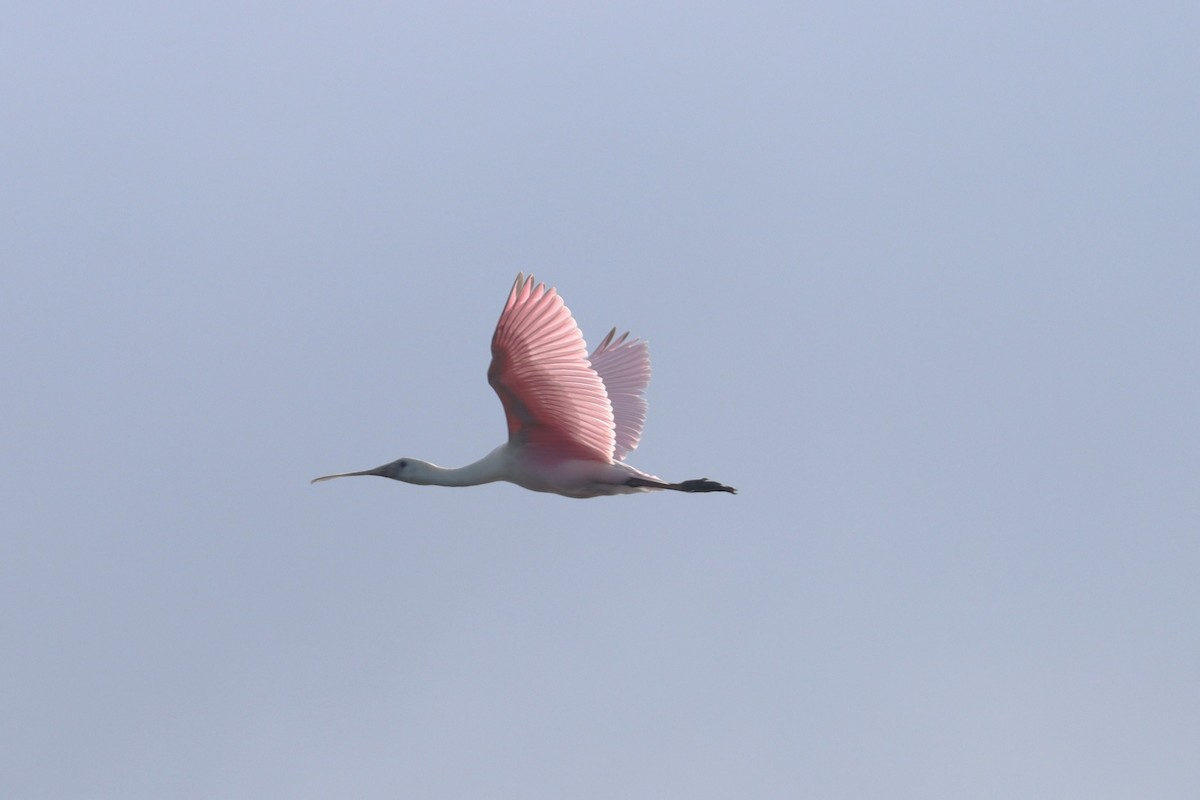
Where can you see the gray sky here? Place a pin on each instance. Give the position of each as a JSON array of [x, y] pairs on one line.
[[920, 280]]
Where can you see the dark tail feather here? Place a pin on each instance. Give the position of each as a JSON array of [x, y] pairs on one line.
[[696, 485]]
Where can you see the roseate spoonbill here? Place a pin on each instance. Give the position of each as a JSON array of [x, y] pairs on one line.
[[571, 419]]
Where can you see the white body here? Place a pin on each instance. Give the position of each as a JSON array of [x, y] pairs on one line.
[[571, 478]]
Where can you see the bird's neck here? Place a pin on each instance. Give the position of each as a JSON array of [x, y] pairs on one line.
[[488, 469]]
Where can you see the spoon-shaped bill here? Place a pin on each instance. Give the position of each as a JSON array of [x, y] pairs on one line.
[[376, 471]]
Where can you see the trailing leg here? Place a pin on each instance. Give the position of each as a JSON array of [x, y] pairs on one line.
[[694, 485]]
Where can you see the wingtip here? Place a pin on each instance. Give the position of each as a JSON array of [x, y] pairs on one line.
[[526, 285]]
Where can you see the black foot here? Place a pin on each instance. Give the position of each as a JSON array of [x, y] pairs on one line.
[[696, 485], [703, 485]]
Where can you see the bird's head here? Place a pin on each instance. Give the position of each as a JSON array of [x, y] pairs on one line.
[[408, 470]]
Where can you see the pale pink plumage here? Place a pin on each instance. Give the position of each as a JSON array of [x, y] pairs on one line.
[[624, 367], [571, 420]]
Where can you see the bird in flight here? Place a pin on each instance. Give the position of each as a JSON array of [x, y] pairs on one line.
[[572, 419]]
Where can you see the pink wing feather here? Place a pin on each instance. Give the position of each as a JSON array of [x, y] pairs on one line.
[[555, 403], [624, 366]]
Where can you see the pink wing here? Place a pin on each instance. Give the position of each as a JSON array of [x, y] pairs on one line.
[[554, 401], [624, 366]]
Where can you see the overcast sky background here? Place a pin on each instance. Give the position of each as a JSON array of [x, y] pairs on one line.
[[921, 280]]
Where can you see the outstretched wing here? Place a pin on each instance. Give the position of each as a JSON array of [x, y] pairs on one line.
[[624, 366], [554, 401]]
